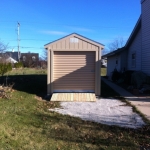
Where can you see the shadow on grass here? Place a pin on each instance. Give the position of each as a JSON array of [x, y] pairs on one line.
[[108, 92], [74, 130], [37, 84], [33, 84]]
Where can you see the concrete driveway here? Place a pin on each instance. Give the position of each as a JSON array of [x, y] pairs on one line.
[[141, 103]]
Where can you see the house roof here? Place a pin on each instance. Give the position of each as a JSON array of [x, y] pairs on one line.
[[114, 52], [76, 35], [129, 41], [134, 32], [11, 60]]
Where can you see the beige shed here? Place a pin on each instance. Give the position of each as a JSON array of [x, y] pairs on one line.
[[74, 65]]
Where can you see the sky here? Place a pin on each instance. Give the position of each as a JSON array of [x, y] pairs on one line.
[[43, 21]]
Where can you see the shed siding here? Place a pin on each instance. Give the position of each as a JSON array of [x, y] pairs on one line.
[[111, 64], [135, 47], [74, 64], [65, 44], [146, 36]]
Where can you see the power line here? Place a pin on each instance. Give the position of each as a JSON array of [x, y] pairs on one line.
[[27, 47], [26, 39], [70, 25]]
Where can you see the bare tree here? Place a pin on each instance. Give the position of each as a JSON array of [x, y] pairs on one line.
[[44, 56], [117, 43], [105, 51], [3, 48]]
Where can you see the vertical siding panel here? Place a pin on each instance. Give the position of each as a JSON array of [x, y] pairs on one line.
[[93, 47], [49, 73], [84, 45], [67, 44], [72, 46], [135, 47], [80, 44], [76, 45], [59, 45], [54, 46], [52, 64], [63, 44], [146, 36], [89, 46]]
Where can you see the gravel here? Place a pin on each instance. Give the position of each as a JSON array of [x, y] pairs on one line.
[[105, 111]]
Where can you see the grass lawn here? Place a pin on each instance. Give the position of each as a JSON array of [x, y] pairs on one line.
[[26, 123], [103, 71]]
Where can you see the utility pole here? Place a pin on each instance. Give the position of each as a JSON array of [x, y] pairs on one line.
[[18, 39]]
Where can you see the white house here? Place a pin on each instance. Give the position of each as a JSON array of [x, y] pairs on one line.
[[136, 53]]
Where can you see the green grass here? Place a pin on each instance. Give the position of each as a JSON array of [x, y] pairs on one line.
[[103, 71], [26, 71], [26, 123]]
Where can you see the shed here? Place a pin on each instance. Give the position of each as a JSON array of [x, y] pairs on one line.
[[74, 65]]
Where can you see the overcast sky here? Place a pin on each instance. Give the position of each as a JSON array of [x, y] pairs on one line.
[[42, 21]]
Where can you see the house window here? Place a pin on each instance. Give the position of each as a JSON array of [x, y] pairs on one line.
[[33, 58], [133, 59], [24, 58]]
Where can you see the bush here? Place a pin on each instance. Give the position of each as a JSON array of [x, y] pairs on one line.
[[18, 65], [5, 67]]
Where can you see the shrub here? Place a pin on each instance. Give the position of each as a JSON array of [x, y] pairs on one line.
[[18, 65], [4, 68]]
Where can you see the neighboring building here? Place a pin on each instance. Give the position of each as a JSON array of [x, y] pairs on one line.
[[74, 65], [13, 55], [116, 60], [29, 59], [11, 60], [9, 57], [136, 53], [104, 62]]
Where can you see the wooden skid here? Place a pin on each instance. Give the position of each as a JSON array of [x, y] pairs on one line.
[[74, 97]]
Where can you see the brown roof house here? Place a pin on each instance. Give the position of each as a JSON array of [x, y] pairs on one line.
[[136, 53], [74, 65]]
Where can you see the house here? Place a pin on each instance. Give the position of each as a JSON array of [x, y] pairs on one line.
[[104, 62], [74, 65], [10, 57], [11, 60], [29, 59], [136, 53]]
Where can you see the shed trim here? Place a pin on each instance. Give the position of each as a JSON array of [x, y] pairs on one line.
[[78, 36]]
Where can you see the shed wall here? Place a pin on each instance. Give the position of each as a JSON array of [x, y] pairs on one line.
[[73, 43], [76, 44]]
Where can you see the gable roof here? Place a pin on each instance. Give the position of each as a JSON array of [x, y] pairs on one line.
[[114, 52], [134, 32], [11, 60], [78, 36]]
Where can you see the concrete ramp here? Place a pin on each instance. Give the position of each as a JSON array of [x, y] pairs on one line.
[[73, 97]]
